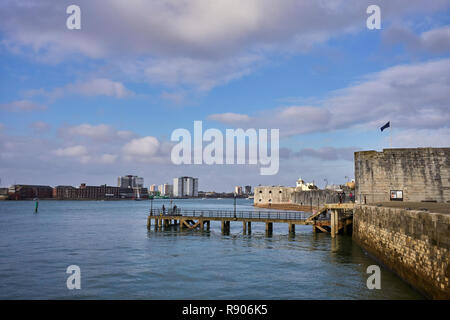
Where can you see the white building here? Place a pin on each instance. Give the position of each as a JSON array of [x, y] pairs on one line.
[[301, 185], [185, 187], [238, 190]]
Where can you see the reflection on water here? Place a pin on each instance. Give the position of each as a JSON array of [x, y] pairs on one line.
[[120, 259]]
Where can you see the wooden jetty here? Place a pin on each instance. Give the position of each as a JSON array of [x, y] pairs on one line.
[[332, 218]]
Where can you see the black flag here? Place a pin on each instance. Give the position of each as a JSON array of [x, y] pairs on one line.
[[387, 125]]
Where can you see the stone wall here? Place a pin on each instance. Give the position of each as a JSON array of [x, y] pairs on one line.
[[317, 197], [272, 194], [291, 195], [414, 244], [423, 174]]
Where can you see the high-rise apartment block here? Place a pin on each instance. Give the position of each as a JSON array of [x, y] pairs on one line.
[[185, 187], [130, 181]]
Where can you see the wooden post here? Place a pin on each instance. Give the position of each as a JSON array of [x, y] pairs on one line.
[[269, 228], [334, 223], [182, 226], [149, 222], [208, 225], [244, 227], [291, 228], [201, 224], [249, 227], [225, 227]]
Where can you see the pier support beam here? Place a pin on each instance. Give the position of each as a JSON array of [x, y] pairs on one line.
[[182, 226], [269, 228], [149, 222], [244, 227], [249, 227], [291, 228], [202, 223], [334, 221], [225, 227]]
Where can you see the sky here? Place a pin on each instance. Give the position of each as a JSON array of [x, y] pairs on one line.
[[89, 105]]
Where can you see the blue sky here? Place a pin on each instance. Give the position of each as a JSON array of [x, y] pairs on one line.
[[92, 104]]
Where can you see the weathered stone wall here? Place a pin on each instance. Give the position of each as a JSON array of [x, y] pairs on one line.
[[422, 173], [317, 197], [265, 195], [414, 244], [291, 195]]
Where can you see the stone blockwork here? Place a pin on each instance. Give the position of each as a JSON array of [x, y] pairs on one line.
[[423, 174], [414, 244], [265, 195], [275, 194], [317, 197]]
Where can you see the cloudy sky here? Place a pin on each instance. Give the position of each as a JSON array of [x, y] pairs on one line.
[[92, 104]]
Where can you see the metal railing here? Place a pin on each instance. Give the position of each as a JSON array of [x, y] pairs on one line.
[[243, 214]]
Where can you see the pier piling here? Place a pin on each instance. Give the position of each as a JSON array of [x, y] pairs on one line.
[[291, 228], [269, 228], [149, 222]]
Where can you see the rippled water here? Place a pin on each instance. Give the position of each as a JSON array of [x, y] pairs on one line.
[[120, 259]]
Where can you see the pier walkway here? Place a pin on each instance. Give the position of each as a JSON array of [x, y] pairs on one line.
[[332, 218]]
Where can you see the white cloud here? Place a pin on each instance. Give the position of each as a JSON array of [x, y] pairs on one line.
[[410, 96], [100, 86], [40, 126], [141, 147], [22, 105], [174, 97], [92, 87], [421, 138], [100, 133], [229, 117], [435, 41], [74, 151], [108, 158], [193, 43]]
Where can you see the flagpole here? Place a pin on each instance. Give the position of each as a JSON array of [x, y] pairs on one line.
[[390, 137]]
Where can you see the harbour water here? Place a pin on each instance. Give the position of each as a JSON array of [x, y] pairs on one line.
[[120, 259]]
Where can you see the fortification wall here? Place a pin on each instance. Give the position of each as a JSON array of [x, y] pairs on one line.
[[317, 197], [414, 244], [290, 195], [271, 194], [422, 174]]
